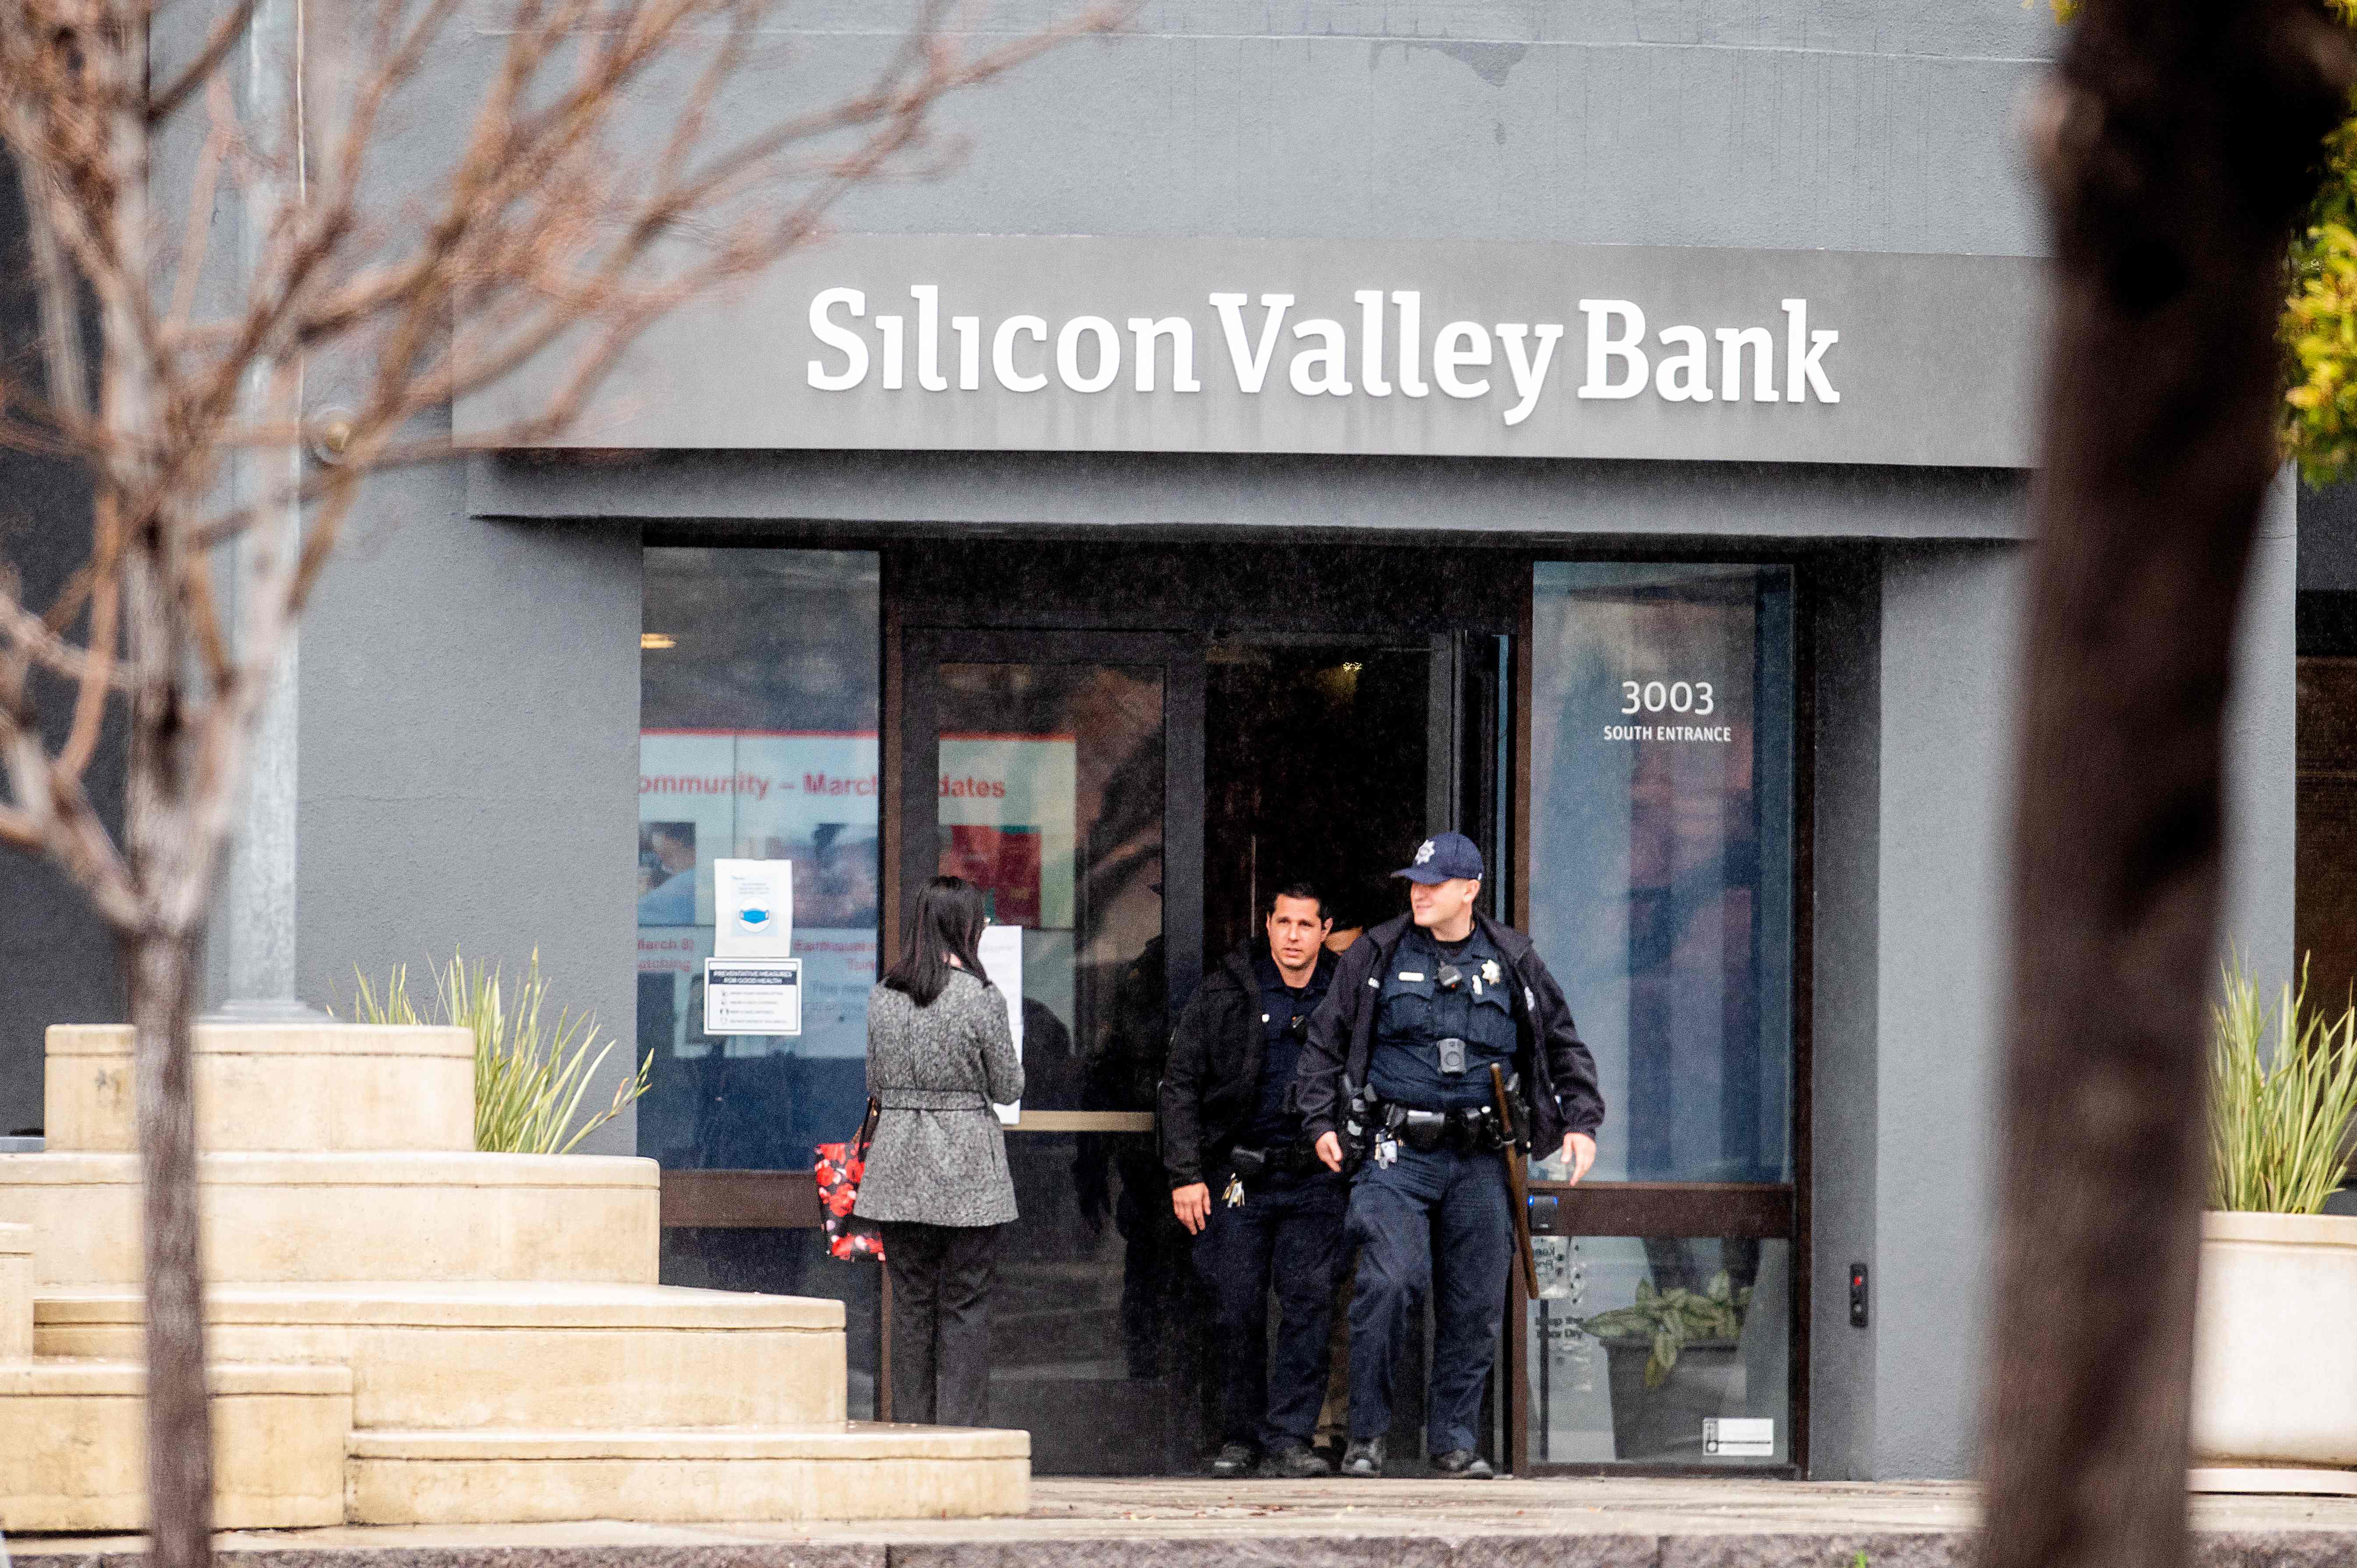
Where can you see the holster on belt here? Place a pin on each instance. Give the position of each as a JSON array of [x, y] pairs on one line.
[[1471, 1129]]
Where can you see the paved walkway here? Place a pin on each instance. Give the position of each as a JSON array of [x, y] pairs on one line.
[[1604, 1523]]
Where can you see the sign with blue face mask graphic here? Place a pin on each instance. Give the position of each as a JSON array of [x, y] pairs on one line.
[[754, 905]]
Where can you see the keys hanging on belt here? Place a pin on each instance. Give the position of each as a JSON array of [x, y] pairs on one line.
[[1234, 1195]]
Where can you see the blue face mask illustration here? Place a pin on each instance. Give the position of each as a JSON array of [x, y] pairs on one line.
[[754, 919]]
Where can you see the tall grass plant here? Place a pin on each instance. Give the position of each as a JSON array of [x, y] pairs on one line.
[[531, 1075], [2283, 1089]]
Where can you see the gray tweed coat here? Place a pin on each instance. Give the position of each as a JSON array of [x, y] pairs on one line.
[[940, 1157]]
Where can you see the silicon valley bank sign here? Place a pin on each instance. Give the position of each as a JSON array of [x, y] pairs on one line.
[[1465, 348]]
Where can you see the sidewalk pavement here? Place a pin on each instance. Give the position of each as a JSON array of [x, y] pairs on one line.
[[1609, 1522]]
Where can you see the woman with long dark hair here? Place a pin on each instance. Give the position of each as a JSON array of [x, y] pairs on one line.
[[940, 1053]]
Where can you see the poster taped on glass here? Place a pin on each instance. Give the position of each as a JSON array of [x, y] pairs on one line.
[[752, 996]]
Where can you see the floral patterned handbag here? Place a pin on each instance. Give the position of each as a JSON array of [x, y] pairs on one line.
[[837, 1171]]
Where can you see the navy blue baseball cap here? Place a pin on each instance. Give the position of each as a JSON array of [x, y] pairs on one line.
[[1444, 857]]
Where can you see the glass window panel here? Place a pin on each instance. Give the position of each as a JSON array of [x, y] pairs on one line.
[[1660, 894], [759, 677], [1666, 1350]]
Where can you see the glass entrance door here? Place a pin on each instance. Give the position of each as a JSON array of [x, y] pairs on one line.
[[1062, 773], [1659, 818]]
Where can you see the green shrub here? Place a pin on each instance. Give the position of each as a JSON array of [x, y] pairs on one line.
[[530, 1075], [2279, 1113]]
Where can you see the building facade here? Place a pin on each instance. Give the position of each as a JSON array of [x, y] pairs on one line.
[[1292, 430]]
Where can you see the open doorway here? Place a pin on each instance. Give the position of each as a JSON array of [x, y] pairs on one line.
[[1315, 770]]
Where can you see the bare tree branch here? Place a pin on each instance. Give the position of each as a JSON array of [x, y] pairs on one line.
[[204, 70], [61, 296], [596, 184]]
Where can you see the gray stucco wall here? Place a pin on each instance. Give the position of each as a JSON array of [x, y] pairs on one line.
[[2261, 731], [1946, 740], [58, 961], [1842, 124], [1845, 1034], [469, 757], [1946, 670]]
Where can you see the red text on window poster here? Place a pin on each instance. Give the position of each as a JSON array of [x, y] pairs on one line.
[[1002, 861]]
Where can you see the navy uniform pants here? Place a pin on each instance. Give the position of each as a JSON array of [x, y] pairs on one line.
[[1289, 1234], [1436, 1223]]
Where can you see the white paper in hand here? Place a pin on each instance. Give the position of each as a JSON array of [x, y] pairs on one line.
[[1001, 951]]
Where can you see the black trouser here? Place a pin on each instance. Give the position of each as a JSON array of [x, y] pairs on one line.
[[1287, 1233], [941, 1321]]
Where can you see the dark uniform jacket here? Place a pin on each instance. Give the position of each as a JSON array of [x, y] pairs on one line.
[[1211, 1089], [1558, 1072]]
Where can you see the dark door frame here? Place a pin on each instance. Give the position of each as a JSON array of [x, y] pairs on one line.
[[913, 809], [766, 1200], [911, 813]]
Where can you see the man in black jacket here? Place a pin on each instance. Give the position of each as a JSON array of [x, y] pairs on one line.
[[1245, 1182], [1419, 1010]]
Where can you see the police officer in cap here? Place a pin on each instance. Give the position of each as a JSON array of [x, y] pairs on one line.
[[1398, 1063]]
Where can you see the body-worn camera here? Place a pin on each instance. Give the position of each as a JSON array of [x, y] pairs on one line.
[[1452, 1056]]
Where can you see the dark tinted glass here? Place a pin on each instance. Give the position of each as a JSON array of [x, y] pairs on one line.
[[1052, 798]]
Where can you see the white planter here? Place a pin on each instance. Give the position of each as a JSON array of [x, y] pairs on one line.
[[2274, 1351]]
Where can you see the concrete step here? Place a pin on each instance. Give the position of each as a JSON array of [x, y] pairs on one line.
[[15, 1293], [262, 1087], [271, 1217], [561, 1357], [73, 1445], [836, 1471]]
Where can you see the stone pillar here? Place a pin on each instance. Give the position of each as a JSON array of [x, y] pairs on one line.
[[15, 1293]]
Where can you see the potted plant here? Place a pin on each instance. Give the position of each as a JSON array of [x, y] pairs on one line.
[[2275, 1385], [1670, 1357]]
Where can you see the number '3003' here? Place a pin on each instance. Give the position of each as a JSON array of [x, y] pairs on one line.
[[1677, 697]]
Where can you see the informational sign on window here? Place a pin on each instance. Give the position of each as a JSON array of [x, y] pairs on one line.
[[1007, 814], [752, 996], [807, 801], [1001, 951], [754, 899], [1739, 1436]]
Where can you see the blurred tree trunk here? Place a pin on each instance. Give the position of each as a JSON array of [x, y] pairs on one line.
[[2178, 142]]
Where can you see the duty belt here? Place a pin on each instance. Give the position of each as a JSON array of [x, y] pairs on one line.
[[1472, 1128]]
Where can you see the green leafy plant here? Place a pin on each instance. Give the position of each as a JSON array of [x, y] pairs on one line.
[[529, 1075], [1671, 1319], [2283, 1088]]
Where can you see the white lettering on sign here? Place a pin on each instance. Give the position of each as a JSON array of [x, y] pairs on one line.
[[1716, 734], [1680, 363], [1680, 696]]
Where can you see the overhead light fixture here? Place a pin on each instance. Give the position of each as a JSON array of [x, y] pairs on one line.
[[1351, 667], [657, 639]]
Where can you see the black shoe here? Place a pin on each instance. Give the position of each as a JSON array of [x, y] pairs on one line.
[[1236, 1459], [1363, 1458], [1296, 1462], [1464, 1465]]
